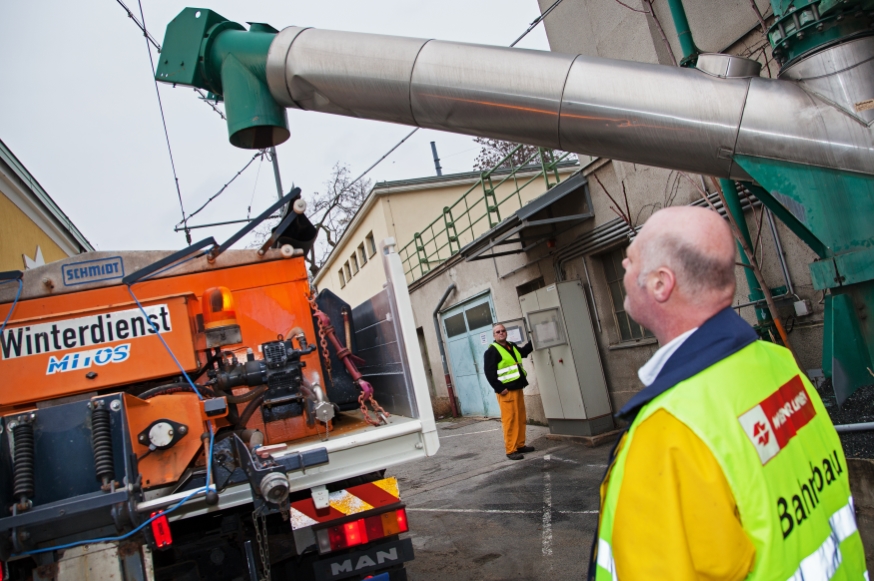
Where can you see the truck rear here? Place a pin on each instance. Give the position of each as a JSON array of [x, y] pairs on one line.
[[204, 415]]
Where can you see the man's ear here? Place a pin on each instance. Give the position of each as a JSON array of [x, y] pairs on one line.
[[662, 283]]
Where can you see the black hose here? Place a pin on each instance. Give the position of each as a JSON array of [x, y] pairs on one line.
[[248, 396], [250, 409], [173, 388]]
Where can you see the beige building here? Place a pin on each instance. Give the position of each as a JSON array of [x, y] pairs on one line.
[[33, 229], [404, 209]]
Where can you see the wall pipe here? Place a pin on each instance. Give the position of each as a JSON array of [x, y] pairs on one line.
[[732, 200], [449, 290], [780, 255], [684, 33]]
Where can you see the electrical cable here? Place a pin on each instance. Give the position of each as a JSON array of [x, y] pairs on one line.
[[536, 21], [205, 98], [254, 189], [164, 123], [207, 488], [12, 308], [223, 188]]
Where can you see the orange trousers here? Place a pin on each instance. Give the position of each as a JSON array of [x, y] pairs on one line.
[[513, 419]]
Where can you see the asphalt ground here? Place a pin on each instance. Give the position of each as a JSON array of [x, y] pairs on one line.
[[476, 515]]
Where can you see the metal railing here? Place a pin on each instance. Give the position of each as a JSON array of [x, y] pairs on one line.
[[478, 210]]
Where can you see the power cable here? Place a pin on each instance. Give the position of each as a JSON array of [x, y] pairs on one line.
[[141, 25], [164, 123], [223, 188], [537, 21], [254, 189]]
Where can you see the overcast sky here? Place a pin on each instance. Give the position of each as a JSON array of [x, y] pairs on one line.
[[78, 108]]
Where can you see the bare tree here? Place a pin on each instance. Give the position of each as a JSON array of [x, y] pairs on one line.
[[493, 151], [331, 211]]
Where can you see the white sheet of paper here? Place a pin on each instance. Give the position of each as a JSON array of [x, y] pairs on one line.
[[483, 339], [514, 335]]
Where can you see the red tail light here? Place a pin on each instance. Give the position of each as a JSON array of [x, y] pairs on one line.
[[362, 531], [161, 531]]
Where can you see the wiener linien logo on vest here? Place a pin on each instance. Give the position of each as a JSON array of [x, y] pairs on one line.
[[777, 418]]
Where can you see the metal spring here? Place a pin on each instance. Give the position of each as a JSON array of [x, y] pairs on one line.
[[23, 481], [101, 437]]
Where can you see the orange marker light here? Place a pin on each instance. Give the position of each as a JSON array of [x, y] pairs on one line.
[[218, 307]]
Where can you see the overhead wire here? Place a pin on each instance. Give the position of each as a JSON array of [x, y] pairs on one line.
[[223, 188], [164, 123], [141, 25], [205, 98]]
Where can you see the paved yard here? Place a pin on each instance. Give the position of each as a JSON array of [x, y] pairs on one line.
[[476, 515]]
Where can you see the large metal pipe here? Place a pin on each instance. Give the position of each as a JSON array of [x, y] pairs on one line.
[[678, 118]]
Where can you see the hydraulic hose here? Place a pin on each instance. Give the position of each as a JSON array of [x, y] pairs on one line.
[[253, 405], [174, 388]]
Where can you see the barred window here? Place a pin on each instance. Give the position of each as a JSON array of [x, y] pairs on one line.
[[628, 329]]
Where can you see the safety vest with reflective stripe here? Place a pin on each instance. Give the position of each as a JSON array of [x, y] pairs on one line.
[[509, 367], [768, 430]]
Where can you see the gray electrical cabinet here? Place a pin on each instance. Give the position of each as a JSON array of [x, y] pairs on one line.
[[567, 362]]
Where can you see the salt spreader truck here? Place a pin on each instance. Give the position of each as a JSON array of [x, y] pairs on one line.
[[204, 415]]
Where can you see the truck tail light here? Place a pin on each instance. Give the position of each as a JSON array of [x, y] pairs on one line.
[[218, 308], [161, 531], [362, 531]]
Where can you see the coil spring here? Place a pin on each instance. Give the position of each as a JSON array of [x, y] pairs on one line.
[[101, 438], [22, 478]]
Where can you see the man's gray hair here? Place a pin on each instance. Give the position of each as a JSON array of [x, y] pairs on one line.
[[697, 273]]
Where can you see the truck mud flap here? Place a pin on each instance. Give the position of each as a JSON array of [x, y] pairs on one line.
[[364, 561]]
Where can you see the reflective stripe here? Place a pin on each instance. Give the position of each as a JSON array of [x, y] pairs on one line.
[[508, 374], [605, 558], [822, 564]]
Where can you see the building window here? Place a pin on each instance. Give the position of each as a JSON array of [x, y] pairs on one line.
[[362, 256], [370, 243], [348, 271], [628, 329], [531, 286], [354, 261], [342, 278]]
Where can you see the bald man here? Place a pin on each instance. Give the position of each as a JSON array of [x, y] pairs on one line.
[[730, 468]]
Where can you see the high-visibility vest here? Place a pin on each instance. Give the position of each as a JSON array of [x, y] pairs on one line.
[[769, 431], [510, 366]]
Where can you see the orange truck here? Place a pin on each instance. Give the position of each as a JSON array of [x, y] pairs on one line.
[[204, 415]]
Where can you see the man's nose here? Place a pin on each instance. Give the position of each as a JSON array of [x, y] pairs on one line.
[[625, 263]]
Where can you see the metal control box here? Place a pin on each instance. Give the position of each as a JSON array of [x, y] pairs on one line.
[[567, 362]]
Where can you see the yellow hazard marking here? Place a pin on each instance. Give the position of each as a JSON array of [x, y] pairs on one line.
[[390, 485], [347, 503]]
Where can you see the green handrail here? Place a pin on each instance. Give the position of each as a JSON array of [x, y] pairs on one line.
[[441, 239]]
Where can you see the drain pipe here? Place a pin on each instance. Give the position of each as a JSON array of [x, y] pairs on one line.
[[449, 290]]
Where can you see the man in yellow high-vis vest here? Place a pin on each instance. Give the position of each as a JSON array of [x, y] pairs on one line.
[[731, 468], [502, 365]]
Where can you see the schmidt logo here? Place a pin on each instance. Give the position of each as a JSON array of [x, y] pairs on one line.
[[93, 270]]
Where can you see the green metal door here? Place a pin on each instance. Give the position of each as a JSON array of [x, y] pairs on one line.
[[468, 329]]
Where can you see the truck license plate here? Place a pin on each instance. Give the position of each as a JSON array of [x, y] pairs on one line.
[[370, 559]]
